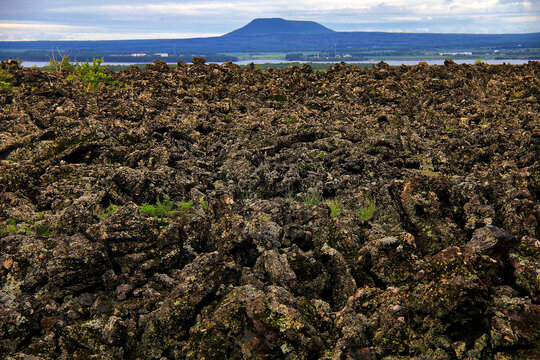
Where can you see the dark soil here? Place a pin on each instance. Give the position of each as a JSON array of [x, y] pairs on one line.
[[384, 213]]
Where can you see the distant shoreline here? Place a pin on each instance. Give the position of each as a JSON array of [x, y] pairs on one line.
[[273, 61]]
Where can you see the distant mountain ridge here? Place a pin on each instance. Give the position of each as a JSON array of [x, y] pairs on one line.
[[283, 36], [278, 26]]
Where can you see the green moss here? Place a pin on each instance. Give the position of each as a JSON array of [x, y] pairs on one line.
[[270, 318], [111, 209], [49, 244], [204, 204], [308, 310], [334, 238], [307, 167], [291, 121], [450, 129], [280, 97], [427, 230], [66, 143]]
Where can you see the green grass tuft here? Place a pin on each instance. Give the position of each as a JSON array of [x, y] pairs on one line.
[[166, 209], [335, 206], [312, 198], [366, 213]]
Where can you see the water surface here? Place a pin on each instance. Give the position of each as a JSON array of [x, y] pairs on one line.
[[274, 61]]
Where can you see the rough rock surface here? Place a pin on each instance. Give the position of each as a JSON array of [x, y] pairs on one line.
[[382, 213]]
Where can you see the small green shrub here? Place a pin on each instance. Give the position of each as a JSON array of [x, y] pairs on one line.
[[92, 74], [5, 80], [366, 212], [59, 67]]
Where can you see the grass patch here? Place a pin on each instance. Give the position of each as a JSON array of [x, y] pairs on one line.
[[43, 230], [335, 206], [312, 198], [366, 213], [166, 209], [11, 227], [246, 196], [28, 227]]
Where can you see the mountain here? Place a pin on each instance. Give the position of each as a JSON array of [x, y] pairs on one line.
[[277, 26], [279, 35]]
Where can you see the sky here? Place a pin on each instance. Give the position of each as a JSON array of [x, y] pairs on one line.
[[143, 19]]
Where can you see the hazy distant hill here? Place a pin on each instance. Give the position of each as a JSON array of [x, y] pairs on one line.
[[275, 26], [278, 35]]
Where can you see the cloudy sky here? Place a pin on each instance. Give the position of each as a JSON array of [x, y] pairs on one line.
[[143, 19]]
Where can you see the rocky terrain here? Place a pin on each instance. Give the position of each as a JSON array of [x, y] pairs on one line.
[[214, 212]]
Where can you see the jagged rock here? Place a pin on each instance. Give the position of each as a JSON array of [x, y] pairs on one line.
[[198, 283], [490, 240], [76, 264], [216, 211], [277, 269], [526, 264], [254, 323]]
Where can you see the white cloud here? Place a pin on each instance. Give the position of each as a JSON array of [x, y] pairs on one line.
[[135, 35], [521, 19], [112, 19], [169, 9], [41, 26]]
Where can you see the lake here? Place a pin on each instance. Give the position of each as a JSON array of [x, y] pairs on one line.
[[273, 61]]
